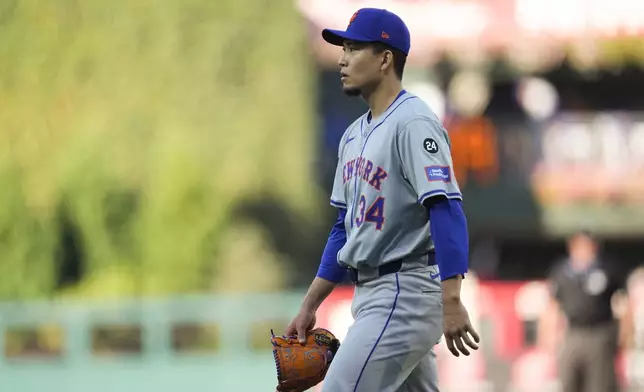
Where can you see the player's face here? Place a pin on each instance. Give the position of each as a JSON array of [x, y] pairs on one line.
[[360, 68]]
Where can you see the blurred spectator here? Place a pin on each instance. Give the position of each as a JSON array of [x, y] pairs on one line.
[[632, 308], [581, 324]]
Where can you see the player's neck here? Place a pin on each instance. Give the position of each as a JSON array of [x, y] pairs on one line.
[[382, 97]]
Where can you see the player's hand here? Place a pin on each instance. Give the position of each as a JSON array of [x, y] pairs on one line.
[[301, 325], [456, 327]]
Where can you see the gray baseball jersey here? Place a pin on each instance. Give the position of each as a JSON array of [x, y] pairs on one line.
[[386, 168]]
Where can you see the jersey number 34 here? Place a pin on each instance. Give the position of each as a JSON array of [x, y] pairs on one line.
[[374, 214]]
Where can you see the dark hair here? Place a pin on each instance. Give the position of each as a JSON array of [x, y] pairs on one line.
[[400, 58], [585, 233]]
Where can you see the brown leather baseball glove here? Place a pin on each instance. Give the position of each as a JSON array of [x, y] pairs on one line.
[[302, 366]]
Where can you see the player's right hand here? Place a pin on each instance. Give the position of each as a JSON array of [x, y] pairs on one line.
[[301, 325]]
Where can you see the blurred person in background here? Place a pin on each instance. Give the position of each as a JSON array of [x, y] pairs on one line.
[[631, 307], [580, 323]]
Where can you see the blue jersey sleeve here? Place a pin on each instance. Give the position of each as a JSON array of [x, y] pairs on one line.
[[448, 227], [329, 268]]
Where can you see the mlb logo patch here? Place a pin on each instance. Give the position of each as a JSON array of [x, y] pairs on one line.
[[438, 173]]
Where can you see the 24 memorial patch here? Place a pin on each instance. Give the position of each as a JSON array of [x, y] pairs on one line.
[[430, 145]]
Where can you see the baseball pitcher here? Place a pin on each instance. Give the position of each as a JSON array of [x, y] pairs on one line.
[[401, 234]]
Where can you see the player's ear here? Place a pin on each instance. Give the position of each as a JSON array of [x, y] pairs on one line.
[[387, 60]]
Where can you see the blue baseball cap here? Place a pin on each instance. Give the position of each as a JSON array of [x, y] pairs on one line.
[[373, 25]]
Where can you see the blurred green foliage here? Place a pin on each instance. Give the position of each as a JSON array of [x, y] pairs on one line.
[[145, 121]]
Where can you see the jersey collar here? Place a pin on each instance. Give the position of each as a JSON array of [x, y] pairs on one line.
[[400, 94]]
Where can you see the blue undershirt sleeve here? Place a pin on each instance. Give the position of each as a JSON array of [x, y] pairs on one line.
[[329, 268], [448, 227]]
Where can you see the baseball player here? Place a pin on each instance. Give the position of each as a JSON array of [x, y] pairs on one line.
[[401, 235]]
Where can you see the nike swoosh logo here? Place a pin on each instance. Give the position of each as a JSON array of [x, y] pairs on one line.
[[434, 276], [348, 140]]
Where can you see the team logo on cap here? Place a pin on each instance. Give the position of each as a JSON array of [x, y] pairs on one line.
[[384, 35], [353, 17]]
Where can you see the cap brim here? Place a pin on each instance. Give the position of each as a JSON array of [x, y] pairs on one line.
[[337, 37]]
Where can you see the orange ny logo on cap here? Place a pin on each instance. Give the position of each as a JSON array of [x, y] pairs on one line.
[[353, 17], [384, 35]]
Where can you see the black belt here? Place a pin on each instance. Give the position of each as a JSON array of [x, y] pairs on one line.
[[390, 268]]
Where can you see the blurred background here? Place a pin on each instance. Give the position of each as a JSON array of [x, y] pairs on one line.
[[166, 169]]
